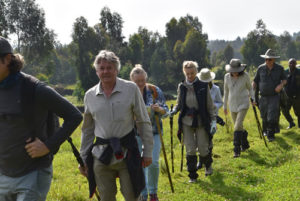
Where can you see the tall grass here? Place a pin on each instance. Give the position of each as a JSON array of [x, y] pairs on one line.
[[259, 174]]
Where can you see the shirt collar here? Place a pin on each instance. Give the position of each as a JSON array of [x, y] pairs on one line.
[[117, 88]]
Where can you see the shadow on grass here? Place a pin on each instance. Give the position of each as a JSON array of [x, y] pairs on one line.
[[282, 143], [293, 135], [254, 156], [229, 192]]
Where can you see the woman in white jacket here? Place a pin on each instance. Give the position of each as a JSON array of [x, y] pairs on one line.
[[237, 91]]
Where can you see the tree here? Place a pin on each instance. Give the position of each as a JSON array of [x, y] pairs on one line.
[[87, 44], [136, 47], [27, 21], [284, 41], [195, 48], [3, 22], [258, 42], [112, 24], [228, 53]]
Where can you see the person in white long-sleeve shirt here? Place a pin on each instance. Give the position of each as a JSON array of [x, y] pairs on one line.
[[237, 91]]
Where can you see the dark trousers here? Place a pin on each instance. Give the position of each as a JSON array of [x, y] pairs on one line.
[[269, 107]]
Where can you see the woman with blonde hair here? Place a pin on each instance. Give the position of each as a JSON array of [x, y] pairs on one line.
[[197, 119]]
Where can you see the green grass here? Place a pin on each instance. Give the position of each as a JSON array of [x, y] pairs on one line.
[[259, 174]]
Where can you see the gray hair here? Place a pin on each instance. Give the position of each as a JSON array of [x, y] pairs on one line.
[[189, 64], [138, 70], [107, 56]]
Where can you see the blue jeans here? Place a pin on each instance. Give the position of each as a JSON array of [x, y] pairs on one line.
[[33, 186], [152, 171]]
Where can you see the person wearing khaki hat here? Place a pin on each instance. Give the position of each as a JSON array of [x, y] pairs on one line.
[[27, 145], [268, 82], [237, 91], [206, 75]]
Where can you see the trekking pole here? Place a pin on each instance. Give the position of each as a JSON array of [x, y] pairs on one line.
[[80, 161], [182, 150], [171, 134], [164, 151], [258, 124]]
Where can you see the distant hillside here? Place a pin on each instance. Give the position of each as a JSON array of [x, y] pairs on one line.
[[219, 45]]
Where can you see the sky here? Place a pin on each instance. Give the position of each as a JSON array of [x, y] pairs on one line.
[[221, 19]]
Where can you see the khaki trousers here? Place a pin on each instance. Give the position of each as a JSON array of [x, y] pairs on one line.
[[105, 176], [195, 139], [238, 119]]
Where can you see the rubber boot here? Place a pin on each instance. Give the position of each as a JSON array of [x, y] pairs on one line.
[[237, 143], [244, 141], [207, 161], [191, 162]]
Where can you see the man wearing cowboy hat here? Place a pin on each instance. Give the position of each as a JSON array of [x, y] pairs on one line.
[[269, 80]]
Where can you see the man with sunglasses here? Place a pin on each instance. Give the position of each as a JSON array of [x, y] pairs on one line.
[[268, 82]]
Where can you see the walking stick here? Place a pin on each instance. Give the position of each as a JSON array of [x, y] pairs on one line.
[[258, 124], [164, 152], [171, 134], [182, 150], [80, 161]]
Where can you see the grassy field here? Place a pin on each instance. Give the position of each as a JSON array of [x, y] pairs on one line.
[[259, 174]]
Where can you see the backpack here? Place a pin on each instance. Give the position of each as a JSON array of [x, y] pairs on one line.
[[28, 88]]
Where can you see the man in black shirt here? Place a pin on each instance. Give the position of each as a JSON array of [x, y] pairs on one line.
[[292, 88], [26, 148], [269, 80]]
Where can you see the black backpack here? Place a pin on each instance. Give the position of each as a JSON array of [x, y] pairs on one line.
[[28, 88]]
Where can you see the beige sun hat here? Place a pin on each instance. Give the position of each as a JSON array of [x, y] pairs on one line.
[[205, 75], [235, 66], [270, 54]]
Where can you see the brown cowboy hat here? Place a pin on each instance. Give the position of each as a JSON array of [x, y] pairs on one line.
[[235, 66], [270, 54]]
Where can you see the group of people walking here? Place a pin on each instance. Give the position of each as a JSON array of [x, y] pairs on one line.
[[122, 123]]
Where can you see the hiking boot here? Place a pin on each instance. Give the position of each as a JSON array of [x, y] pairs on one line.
[[153, 197], [208, 171], [236, 155], [271, 138], [292, 124], [237, 143], [192, 180], [143, 198], [244, 141]]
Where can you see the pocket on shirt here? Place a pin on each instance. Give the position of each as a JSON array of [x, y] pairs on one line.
[[121, 111]]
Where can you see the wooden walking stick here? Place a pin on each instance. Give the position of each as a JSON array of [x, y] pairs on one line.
[[260, 131], [171, 134], [164, 151], [182, 150]]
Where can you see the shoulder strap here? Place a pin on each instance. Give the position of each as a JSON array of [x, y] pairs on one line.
[[153, 91]]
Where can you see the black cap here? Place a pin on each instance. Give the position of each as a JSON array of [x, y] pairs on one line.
[[5, 47]]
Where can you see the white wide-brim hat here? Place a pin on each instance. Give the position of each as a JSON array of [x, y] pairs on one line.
[[270, 54], [205, 75], [235, 66]]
